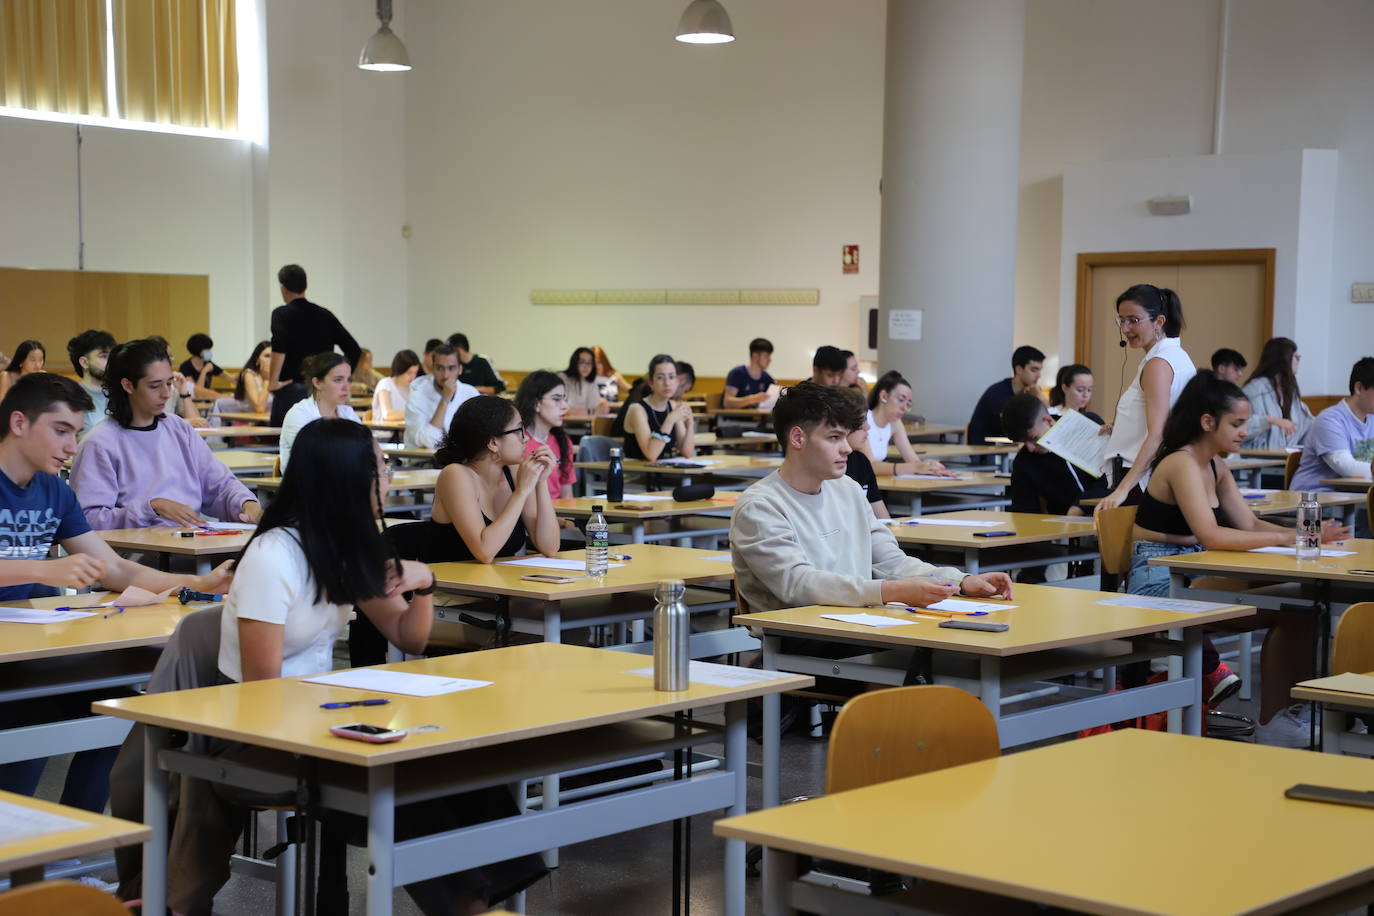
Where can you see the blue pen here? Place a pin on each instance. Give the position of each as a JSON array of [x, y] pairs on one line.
[[926, 610], [118, 610], [621, 556], [345, 705], [83, 607]]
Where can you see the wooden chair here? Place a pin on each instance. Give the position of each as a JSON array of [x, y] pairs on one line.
[[905, 731], [601, 426], [714, 400], [1353, 649], [1369, 503], [67, 898], [1114, 540], [1290, 467]]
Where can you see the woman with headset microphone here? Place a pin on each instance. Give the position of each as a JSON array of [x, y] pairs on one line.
[[1149, 318]]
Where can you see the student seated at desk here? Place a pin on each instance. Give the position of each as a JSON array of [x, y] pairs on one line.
[[476, 370], [827, 365], [652, 425], [29, 357], [251, 388], [1278, 416], [1341, 441], [198, 368], [42, 414], [542, 403], [1192, 503], [142, 467], [1026, 363], [393, 391], [318, 553], [89, 352], [613, 385], [327, 385], [1228, 365], [1041, 481], [747, 385], [579, 381], [435, 399], [805, 535], [181, 403], [686, 378], [888, 403], [1073, 389], [859, 465], [365, 375], [851, 377]]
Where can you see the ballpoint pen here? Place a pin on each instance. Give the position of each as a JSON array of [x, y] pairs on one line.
[[118, 610], [83, 607], [345, 704], [922, 610], [621, 556]]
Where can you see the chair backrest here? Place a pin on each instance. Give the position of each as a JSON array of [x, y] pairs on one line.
[[65, 897], [1114, 540], [191, 657], [1353, 649], [714, 400], [1290, 467], [1369, 502], [905, 731], [276, 466], [601, 426]]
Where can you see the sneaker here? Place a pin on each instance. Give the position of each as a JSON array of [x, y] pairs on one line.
[[1220, 685], [1290, 728]]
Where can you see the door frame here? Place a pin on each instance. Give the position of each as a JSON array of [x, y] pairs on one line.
[[1087, 263]]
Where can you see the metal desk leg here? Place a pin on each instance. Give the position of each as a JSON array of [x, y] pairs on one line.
[[637, 532], [553, 621], [155, 816], [737, 762], [381, 839], [772, 733], [915, 503], [971, 560], [550, 788], [1192, 667], [779, 870], [203, 565], [1335, 722], [990, 683]]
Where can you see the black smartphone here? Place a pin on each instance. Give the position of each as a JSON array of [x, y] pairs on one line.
[[1306, 792], [984, 626], [994, 534]]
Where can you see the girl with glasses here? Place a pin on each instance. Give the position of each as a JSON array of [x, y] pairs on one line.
[[888, 403], [542, 402], [653, 425], [579, 379]]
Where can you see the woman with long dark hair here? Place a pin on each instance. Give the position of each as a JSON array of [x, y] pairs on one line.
[[1073, 390], [327, 381], [888, 402], [393, 391], [542, 403], [584, 396], [251, 388], [29, 357], [1278, 417], [653, 426]]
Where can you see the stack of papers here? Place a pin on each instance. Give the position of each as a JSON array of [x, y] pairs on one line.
[[720, 675], [964, 606], [380, 680], [1162, 604], [553, 563], [1078, 441], [24, 823]]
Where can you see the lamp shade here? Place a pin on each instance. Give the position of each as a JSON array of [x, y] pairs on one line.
[[384, 51], [705, 22]]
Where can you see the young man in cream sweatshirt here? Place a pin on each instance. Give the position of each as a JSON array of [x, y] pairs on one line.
[[805, 533]]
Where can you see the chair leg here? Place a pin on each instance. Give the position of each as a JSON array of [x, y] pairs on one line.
[[1245, 642]]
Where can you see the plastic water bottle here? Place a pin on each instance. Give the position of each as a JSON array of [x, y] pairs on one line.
[[671, 629], [598, 543], [1309, 531], [615, 479]]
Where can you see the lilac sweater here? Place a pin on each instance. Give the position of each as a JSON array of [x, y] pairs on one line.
[[118, 471]]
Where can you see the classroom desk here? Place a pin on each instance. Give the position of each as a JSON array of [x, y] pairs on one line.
[[652, 563], [1279, 453], [713, 441], [660, 509], [166, 542], [243, 462], [240, 416], [398, 450], [238, 432], [1003, 826], [1249, 469], [934, 430], [1342, 697], [1347, 484], [917, 489], [23, 859], [549, 709], [1285, 502], [985, 554], [940, 451], [1054, 631], [725, 466], [417, 479]]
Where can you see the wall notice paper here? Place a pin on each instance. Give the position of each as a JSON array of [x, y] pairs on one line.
[[37, 615], [1180, 605], [951, 522], [960, 606], [553, 563], [871, 620], [1349, 682], [380, 680], [904, 324], [772, 399], [1293, 551], [1076, 439], [20, 822], [721, 675]]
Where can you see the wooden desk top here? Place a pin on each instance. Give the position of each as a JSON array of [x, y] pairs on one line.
[[253, 417], [137, 626], [241, 461], [1253, 464], [397, 450], [581, 507], [746, 465], [394, 426], [537, 689], [1005, 826], [232, 432], [418, 479], [1326, 690], [1279, 453], [747, 413], [1277, 502], [932, 429], [1028, 528], [165, 539], [712, 440], [98, 834], [651, 563], [1279, 566], [941, 450], [965, 480], [1348, 484], [1045, 617]]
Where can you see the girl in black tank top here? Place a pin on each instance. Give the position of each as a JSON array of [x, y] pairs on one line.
[[655, 426]]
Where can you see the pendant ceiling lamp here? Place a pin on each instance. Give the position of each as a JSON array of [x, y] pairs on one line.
[[384, 50], [705, 22]]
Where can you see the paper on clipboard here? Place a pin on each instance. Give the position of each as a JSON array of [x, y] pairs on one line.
[[772, 399], [1078, 441]]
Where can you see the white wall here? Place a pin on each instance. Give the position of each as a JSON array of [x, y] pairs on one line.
[[576, 145]]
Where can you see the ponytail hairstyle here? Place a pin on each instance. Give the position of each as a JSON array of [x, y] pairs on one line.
[[476, 422], [1205, 394], [315, 368], [1157, 301], [885, 383], [1276, 365], [535, 386], [645, 386], [1063, 377], [240, 388]]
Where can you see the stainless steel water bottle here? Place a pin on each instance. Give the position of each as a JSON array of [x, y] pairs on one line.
[[671, 630]]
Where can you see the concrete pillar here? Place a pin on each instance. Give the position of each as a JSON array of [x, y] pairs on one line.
[[951, 158]]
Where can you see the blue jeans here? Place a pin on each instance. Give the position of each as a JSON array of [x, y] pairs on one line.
[[1153, 581]]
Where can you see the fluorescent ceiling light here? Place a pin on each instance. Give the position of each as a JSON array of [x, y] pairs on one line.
[[705, 22]]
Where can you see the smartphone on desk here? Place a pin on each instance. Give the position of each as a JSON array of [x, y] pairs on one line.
[[983, 626], [372, 734], [547, 577], [993, 534], [633, 507]]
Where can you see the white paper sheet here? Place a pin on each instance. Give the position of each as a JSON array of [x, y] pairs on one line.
[[1293, 551], [379, 680], [1181, 605], [19, 822], [1255, 492], [718, 558], [637, 497], [720, 675], [961, 606], [231, 526], [871, 620], [951, 522], [772, 399], [553, 563], [35, 615], [758, 434], [1070, 519], [1077, 440]]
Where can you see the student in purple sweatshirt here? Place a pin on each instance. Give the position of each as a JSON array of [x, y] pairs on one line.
[[147, 468]]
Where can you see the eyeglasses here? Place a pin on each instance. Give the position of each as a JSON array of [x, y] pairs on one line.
[[517, 429], [1124, 323], [556, 398]]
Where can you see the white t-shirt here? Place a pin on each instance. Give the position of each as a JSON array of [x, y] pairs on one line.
[[273, 583], [879, 438], [396, 396], [1129, 433], [302, 414]]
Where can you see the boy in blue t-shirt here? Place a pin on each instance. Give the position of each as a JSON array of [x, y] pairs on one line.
[[747, 386], [1341, 441], [40, 418]]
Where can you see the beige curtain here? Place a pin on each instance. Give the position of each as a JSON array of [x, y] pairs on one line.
[[52, 55], [176, 62]]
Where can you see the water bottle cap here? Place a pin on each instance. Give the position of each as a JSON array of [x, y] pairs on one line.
[[597, 507], [615, 453], [669, 590]]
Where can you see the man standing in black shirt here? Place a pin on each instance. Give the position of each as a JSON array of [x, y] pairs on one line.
[[300, 328]]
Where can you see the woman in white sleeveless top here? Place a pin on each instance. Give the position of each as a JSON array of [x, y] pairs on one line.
[[1149, 319]]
